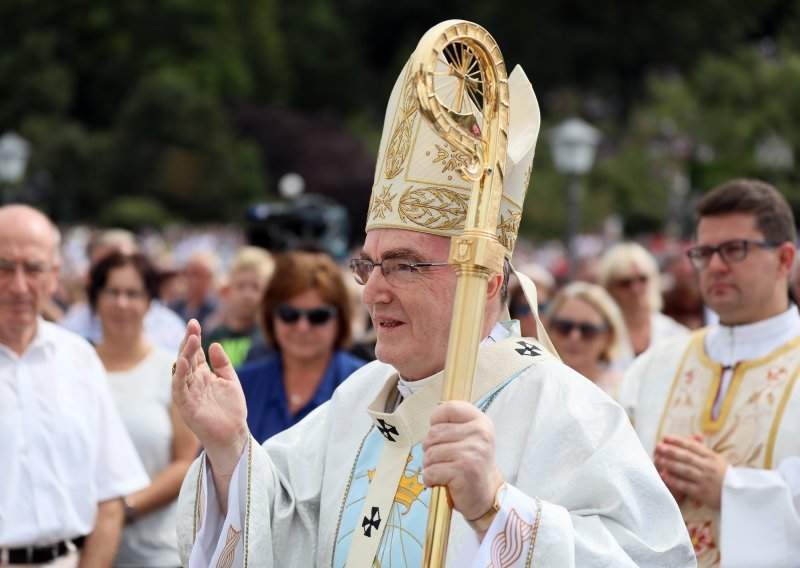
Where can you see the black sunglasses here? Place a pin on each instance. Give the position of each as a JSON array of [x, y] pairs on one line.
[[315, 316], [587, 331]]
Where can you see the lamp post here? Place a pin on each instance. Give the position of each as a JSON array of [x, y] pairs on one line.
[[291, 185], [14, 154], [574, 144], [774, 153]]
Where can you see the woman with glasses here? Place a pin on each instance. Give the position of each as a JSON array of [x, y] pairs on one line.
[[305, 315], [588, 332], [630, 274], [120, 290]]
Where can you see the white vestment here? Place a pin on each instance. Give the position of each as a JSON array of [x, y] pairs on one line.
[[581, 491], [736, 385]]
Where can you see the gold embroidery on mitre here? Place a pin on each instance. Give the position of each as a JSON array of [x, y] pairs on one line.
[[434, 208], [409, 489], [508, 229], [452, 160], [382, 203], [400, 142]]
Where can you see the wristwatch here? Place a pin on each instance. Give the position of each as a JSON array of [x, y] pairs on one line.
[[130, 509], [482, 523]]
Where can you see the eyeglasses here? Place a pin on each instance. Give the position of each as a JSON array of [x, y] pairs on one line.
[[729, 251], [630, 281], [522, 310], [130, 295], [587, 331], [33, 271], [397, 271], [315, 316]]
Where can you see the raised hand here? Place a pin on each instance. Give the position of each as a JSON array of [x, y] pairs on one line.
[[211, 402], [459, 453]]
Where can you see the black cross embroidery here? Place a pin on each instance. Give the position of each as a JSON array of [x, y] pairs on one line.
[[371, 523], [387, 430], [528, 349]]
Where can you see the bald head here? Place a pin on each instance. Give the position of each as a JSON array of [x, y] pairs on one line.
[[18, 219], [29, 245]]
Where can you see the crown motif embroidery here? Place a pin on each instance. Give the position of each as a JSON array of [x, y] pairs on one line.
[[452, 160], [409, 489]]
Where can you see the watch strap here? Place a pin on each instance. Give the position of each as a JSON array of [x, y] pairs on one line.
[[482, 523]]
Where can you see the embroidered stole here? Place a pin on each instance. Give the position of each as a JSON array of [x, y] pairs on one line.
[[385, 510], [745, 430]]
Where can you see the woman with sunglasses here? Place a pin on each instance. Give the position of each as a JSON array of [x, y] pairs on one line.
[[305, 315], [630, 274], [120, 289], [588, 331]]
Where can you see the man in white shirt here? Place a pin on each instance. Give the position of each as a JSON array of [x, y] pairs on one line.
[[540, 465], [66, 457], [719, 410]]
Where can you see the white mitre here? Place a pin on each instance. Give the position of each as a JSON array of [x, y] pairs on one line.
[[416, 184]]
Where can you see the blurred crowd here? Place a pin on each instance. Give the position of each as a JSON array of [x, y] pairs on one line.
[[294, 326]]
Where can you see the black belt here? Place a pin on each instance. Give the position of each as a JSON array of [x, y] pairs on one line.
[[42, 554]]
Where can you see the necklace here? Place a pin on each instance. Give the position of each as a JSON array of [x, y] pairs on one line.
[[295, 399]]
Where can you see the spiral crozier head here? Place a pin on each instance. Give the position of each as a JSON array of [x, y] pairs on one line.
[[454, 119]]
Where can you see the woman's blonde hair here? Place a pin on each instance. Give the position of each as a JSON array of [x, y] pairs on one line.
[[608, 309], [616, 265]]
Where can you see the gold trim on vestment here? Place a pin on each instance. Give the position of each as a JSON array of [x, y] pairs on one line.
[[697, 336], [249, 484], [347, 493], [745, 432], [198, 497], [529, 561], [773, 433]]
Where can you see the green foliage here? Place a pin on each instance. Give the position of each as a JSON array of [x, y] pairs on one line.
[[134, 214], [134, 99], [727, 105]]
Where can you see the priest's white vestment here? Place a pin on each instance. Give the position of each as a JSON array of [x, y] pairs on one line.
[[580, 489], [738, 386]]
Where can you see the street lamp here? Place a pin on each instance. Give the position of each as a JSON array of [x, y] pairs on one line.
[[574, 144], [774, 152], [14, 154], [291, 185]]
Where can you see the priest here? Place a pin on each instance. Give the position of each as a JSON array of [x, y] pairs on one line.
[[541, 466]]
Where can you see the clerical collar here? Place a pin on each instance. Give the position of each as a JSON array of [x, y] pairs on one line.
[[729, 344], [408, 388]]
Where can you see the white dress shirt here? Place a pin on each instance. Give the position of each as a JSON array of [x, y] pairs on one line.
[[63, 447]]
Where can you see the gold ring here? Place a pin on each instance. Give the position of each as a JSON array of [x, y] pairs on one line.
[[189, 377]]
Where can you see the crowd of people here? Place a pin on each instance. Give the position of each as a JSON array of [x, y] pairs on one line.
[[286, 321], [243, 405]]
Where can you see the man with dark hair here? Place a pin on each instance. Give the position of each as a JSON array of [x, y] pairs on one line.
[[718, 410]]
